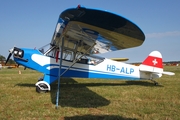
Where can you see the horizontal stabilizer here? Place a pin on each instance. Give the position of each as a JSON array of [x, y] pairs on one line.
[[168, 73]]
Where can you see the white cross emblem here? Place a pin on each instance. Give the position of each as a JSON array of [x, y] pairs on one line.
[[155, 62]]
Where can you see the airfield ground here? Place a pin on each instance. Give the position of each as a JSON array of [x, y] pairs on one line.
[[89, 98]]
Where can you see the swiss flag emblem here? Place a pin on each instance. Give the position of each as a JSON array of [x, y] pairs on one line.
[[153, 61]]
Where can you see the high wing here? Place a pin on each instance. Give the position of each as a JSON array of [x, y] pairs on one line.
[[97, 30]]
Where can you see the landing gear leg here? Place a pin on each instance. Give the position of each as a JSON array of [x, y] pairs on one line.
[[155, 83]]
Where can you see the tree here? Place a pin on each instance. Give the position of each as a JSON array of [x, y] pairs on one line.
[[11, 61], [2, 58]]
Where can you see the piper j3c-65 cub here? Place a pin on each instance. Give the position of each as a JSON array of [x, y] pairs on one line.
[[80, 35]]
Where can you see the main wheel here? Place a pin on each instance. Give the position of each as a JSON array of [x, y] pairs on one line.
[[42, 88]]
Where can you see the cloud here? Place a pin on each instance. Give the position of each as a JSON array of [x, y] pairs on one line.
[[161, 35]]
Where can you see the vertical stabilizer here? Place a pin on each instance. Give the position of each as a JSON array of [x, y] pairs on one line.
[[153, 63]]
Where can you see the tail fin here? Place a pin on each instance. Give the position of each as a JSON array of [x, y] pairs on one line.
[[154, 63]]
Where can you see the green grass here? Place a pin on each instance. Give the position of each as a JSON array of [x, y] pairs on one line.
[[89, 98]]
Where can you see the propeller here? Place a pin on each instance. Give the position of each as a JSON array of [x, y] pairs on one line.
[[11, 51]]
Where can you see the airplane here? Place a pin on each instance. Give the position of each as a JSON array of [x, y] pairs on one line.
[[81, 35]]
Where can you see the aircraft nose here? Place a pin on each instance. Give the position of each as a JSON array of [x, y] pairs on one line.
[[17, 52]]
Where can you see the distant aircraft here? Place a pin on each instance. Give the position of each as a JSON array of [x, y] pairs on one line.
[[81, 34]]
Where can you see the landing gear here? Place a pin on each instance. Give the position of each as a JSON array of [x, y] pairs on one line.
[[42, 87], [151, 78], [155, 83]]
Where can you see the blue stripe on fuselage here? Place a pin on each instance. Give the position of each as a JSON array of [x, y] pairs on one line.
[[95, 74]]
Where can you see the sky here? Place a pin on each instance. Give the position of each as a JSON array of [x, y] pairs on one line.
[[31, 23]]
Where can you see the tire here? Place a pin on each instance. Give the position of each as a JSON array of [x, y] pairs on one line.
[[43, 86]]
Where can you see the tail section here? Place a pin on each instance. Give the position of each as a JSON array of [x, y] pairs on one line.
[[154, 63]]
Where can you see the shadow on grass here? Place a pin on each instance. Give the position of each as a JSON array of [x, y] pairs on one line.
[[25, 85], [74, 94], [98, 117], [143, 83]]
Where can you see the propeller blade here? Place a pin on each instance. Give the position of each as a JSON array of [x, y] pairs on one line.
[[8, 58], [10, 54]]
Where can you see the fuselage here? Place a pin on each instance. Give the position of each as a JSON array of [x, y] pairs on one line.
[[106, 69]]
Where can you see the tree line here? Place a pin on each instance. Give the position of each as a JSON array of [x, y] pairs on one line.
[[3, 60]]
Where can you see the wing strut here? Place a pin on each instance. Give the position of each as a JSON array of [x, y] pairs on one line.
[[60, 65]]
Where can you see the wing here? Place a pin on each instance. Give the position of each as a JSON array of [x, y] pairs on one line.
[[99, 30], [120, 59]]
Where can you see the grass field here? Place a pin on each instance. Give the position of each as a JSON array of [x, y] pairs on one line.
[[89, 98]]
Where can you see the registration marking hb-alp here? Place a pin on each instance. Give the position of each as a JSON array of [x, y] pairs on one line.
[[123, 69]]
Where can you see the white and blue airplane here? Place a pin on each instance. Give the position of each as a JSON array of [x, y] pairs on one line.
[[80, 35]]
